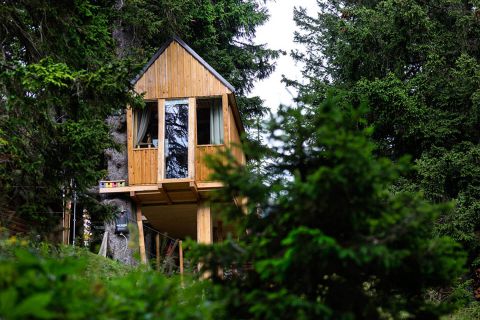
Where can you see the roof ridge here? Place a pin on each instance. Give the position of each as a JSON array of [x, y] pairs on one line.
[[189, 50]]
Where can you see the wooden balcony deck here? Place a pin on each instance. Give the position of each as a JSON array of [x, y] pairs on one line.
[[170, 192]]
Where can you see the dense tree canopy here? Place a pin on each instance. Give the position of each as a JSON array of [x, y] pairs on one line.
[[329, 237], [221, 31], [59, 80], [66, 66], [417, 63], [336, 225]]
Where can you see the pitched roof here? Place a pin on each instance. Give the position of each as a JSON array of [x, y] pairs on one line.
[[189, 50]]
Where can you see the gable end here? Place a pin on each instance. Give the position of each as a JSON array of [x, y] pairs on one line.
[[191, 52]]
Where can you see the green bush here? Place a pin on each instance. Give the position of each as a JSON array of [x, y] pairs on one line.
[[44, 283]]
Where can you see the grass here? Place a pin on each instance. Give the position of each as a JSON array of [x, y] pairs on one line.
[[470, 312], [98, 266]]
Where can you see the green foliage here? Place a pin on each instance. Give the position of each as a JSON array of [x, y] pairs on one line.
[[59, 80], [221, 32], [417, 63], [66, 66], [328, 237], [40, 283], [470, 312]]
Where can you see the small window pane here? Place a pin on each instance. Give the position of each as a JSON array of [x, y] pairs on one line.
[[146, 126], [209, 121], [203, 126]]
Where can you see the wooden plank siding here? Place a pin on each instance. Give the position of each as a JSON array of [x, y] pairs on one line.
[[144, 166], [202, 171], [177, 74], [234, 138]]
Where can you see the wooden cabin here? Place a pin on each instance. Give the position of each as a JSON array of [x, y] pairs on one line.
[[190, 112]]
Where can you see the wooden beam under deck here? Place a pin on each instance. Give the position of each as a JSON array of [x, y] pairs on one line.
[[152, 187], [193, 188], [168, 192]]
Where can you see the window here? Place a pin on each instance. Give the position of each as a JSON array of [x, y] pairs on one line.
[[209, 121], [146, 126], [176, 139]]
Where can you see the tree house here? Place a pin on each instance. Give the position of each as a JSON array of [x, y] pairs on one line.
[[190, 112]]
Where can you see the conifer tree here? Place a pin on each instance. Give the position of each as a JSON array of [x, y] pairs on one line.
[[67, 65], [418, 63], [327, 234]]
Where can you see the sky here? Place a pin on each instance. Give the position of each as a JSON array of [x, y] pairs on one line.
[[277, 33]]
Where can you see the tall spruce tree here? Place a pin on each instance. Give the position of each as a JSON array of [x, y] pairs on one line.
[[221, 31], [67, 65], [59, 81], [417, 62], [327, 235]]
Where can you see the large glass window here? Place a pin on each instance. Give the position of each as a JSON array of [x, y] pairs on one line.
[[176, 139], [146, 126], [209, 121]]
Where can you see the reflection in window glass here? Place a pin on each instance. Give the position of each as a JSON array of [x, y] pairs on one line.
[[176, 139]]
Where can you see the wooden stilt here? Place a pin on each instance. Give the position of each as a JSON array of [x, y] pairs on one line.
[[157, 246], [204, 223], [180, 255], [204, 229], [141, 236], [66, 223]]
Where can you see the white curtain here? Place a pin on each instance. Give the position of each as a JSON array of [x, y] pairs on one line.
[[143, 118], [216, 123]]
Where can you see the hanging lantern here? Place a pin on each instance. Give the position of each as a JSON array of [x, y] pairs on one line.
[[121, 223]]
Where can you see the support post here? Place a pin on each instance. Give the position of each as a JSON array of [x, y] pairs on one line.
[[204, 229], [161, 140], [66, 223], [74, 214], [141, 236], [157, 246], [204, 223], [180, 255], [191, 137]]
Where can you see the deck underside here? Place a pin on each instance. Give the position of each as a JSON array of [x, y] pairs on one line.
[[176, 192]]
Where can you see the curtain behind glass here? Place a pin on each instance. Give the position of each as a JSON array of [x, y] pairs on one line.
[[143, 119], [216, 122]]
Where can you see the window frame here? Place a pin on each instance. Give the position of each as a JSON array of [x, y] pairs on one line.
[[135, 114], [221, 123]]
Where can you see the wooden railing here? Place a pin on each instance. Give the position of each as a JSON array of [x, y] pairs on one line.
[[144, 166], [14, 224]]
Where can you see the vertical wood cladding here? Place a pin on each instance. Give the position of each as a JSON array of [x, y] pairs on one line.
[[177, 74]]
